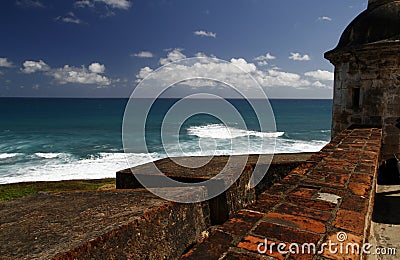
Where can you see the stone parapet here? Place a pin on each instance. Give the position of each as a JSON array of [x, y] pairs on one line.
[[330, 194]]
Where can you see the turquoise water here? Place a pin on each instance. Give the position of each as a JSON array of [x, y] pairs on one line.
[[55, 139]]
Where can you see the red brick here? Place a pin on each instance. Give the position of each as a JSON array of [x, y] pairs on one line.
[[317, 174], [317, 157], [212, 248], [241, 223], [280, 189], [264, 203], [237, 255], [312, 204], [300, 257], [355, 203], [305, 212], [361, 178], [350, 220], [299, 222], [292, 179], [287, 234], [302, 169], [337, 179], [336, 162], [322, 183], [351, 238], [362, 168], [251, 243], [338, 192], [369, 157], [303, 192], [334, 167], [360, 189]]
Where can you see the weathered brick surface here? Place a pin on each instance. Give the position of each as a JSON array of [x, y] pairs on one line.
[[304, 212], [282, 232], [212, 248], [264, 203], [304, 192], [313, 204], [235, 254], [329, 193], [240, 224], [298, 222], [350, 221], [257, 244], [343, 252]]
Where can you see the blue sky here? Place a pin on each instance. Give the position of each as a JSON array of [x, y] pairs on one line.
[[103, 48]]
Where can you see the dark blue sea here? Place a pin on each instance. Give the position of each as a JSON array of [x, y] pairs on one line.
[[57, 139]]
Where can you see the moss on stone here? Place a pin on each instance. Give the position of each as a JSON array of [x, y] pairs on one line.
[[17, 190]]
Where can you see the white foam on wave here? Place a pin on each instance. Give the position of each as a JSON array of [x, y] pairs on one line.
[[298, 146], [48, 155], [325, 131], [219, 131], [65, 166], [8, 155], [68, 168]]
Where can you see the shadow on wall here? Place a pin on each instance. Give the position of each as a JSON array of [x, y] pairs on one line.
[[387, 199], [389, 172], [387, 207]]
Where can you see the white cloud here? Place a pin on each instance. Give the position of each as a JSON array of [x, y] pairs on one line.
[[203, 55], [174, 55], [297, 56], [68, 74], [34, 66], [320, 75], [144, 72], [5, 63], [143, 54], [69, 18], [277, 78], [29, 4], [271, 78], [244, 65], [83, 3], [116, 4], [200, 55], [205, 34], [263, 59], [96, 67], [262, 63], [318, 84], [267, 56], [325, 18]]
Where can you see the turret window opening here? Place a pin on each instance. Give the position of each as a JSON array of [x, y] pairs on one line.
[[356, 98]]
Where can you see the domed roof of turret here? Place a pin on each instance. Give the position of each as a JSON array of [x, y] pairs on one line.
[[379, 23]]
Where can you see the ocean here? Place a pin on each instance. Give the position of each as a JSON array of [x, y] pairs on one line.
[[47, 139]]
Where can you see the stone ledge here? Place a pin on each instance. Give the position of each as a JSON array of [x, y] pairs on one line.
[[220, 170], [101, 225]]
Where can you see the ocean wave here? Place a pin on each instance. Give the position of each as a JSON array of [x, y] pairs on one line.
[[298, 146], [325, 131], [8, 155], [219, 131], [48, 155], [103, 166], [66, 166]]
